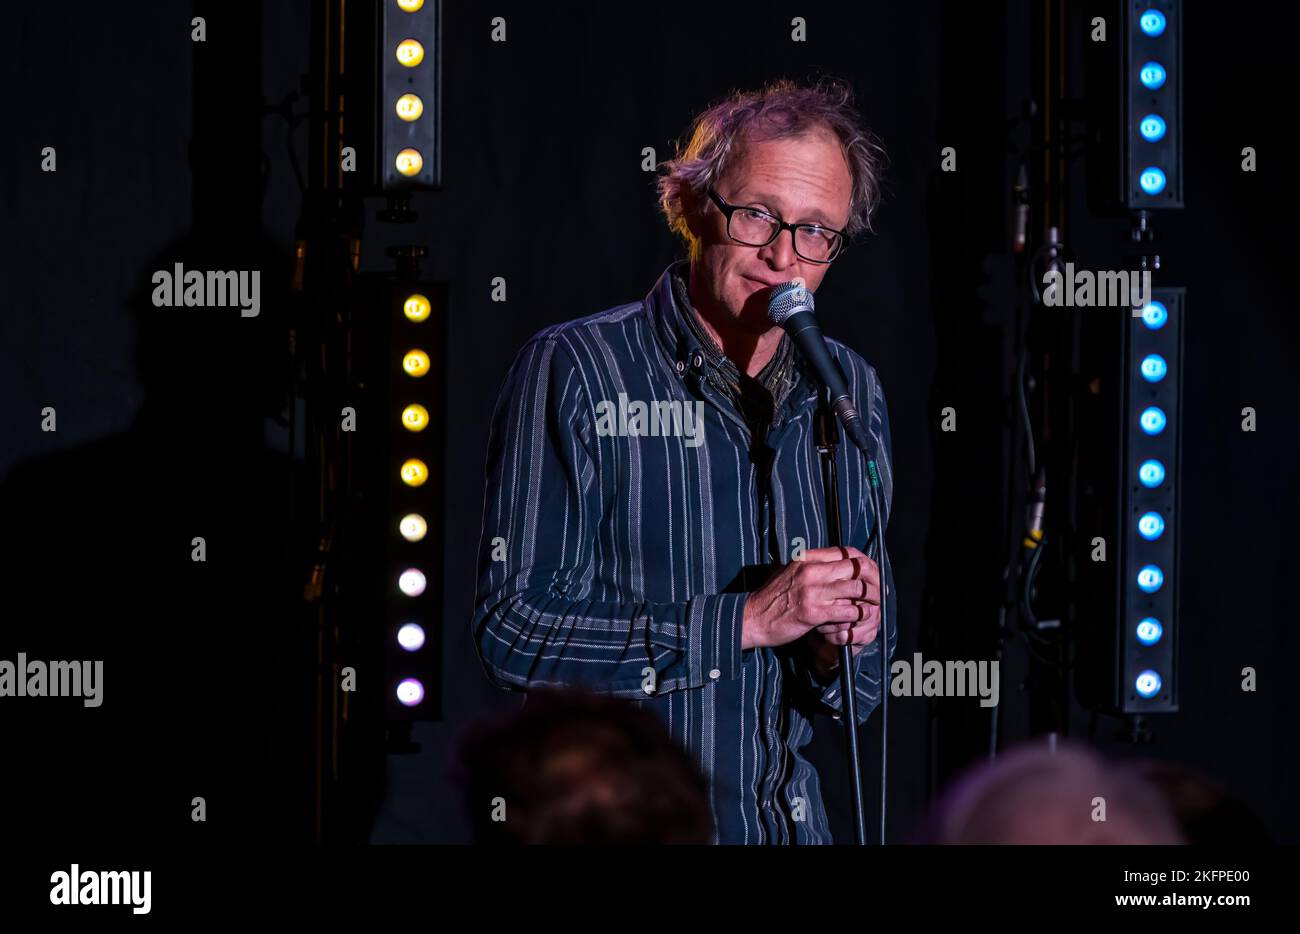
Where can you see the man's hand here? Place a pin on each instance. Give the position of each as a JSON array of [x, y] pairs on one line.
[[826, 655], [835, 591]]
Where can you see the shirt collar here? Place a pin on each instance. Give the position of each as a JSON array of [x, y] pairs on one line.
[[688, 349], [683, 348]]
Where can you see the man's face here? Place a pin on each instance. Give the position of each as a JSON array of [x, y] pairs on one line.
[[800, 180]]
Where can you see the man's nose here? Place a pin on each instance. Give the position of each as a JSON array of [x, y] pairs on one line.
[[780, 254]]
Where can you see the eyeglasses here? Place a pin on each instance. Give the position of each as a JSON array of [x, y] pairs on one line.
[[754, 227]]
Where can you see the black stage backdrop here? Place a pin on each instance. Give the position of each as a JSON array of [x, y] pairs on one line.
[[543, 186]]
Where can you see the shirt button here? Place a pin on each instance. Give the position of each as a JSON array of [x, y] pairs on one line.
[[697, 361], [715, 674], [680, 366]]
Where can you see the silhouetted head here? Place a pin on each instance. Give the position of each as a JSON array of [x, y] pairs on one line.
[[1204, 811], [1038, 795], [572, 767]]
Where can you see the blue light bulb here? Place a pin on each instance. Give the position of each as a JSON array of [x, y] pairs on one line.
[[1149, 631], [1152, 128], [1154, 315], [1151, 526], [1152, 420], [1154, 368], [1148, 683], [1153, 23], [1152, 180], [1150, 578], [1153, 75], [1151, 473]]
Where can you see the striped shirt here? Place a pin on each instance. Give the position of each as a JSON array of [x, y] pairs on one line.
[[617, 551]]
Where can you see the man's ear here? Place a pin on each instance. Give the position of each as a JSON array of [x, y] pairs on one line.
[[692, 213]]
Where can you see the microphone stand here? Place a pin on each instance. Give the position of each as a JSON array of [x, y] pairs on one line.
[[826, 434], [826, 439]]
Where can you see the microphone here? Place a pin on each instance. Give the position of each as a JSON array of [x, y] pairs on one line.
[[791, 307]]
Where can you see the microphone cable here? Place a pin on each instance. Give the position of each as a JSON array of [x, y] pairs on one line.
[[880, 559]]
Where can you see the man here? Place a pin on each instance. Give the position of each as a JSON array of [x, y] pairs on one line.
[[654, 521]]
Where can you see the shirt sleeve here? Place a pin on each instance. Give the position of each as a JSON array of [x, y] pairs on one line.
[[534, 623], [867, 663]]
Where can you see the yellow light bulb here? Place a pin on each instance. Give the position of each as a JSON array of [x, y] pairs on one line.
[[410, 53], [414, 472], [415, 417], [416, 307], [416, 362], [413, 527], [409, 107], [409, 162], [410, 6]]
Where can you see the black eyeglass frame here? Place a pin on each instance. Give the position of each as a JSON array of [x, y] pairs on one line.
[[730, 209]]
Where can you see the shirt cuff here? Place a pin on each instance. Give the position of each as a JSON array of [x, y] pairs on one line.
[[715, 624]]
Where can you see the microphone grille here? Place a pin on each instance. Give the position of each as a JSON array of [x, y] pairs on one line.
[[787, 299]]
